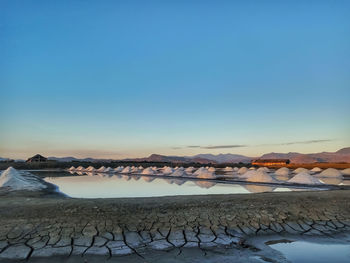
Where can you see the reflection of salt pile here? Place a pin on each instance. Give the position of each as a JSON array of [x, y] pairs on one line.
[[301, 170], [179, 173], [331, 180], [228, 169], [242, 170], [168, 170], [90, 169], [346, 171], [101, 169], [316, 170], [16, 180], [148, 171], [148, 179], [330, 172], [258, 188], [126, 170], [261, 177], [205, 184], [283, 171], [304, 178]]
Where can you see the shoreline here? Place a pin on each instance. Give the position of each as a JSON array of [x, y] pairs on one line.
[[40, 225]]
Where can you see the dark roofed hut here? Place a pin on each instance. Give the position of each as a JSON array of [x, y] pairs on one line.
[[270, 162], [37, 159]]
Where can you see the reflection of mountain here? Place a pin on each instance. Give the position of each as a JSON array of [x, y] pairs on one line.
[[258, 188], [205, 184]]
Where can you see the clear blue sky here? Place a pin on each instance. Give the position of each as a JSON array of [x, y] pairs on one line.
[[130, 78]]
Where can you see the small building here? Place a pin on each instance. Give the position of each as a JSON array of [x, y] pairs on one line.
[[270, 162], [37, 159]]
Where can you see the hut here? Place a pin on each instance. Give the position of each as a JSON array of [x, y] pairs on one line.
[[37, 159]]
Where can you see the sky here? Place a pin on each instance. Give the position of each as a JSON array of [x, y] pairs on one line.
[[116, 79]]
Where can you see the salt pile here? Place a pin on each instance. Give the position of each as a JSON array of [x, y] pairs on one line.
[[16, 180], [346, 171], [109, 170], [118, 169], [148, 171], [80, 168], [205, 174], [135, 170], [283, 171], [235, 169], [264, 169], [90, 169], [316, 170], [301, 170], [330, 172], [126, 170], [252, 168], [168, 170], [304, 178], [259, 177], [140, 167], [189, 169], [200, 170], [72, 169], [228, 169], [179, 173], [101, 169], [212, 169], [242, 170]]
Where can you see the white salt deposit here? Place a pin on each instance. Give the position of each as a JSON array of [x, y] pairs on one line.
[[212, 169], [101, 169], [252, 168], [179, 173], [346, 171], [242, 170], [148, 171], [301, 170], [316, 170], [263, 169], [330, 172], [135, 170], [140, 167], [16, 180], [168, 170], [118, 169], [90, 169], [304, 178], [205, 174], [126, 170], [235, 169], [200, 170], [72, 168], [189, 169], [80, 168], [283, 171], [228, 169], [260, 177], [109, 170]]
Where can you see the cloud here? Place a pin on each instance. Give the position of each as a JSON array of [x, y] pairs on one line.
[[223, 146], [193, 146], [307, 142]]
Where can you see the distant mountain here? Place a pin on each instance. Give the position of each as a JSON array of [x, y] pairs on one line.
[[72, 159], [225, 158], [343, 155], [170, 159]]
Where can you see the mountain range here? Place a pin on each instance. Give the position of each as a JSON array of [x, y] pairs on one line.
[[343, 155]]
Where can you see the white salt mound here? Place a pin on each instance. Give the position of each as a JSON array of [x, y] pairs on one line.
[[109, 170], [316, 170], [263, 169], [260, 177], [90, 169], [101, 169], [126, 170], [148, 171], [168, 170], [301, 170], [200, 170], [80, 168], [140, 167], [72, 168], [135, 170], [205, 174], [242, 170], [16, 180], [283, 171], [304, 178], [179, 173], [189, 169], [118, 169], [330, 172], [228, 169], [235, 169], [346, 171], [212, 169]]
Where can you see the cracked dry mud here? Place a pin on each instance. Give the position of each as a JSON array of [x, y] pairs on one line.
[[34, 227]]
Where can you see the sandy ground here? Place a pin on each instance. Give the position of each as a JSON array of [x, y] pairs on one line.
[[217, 228]]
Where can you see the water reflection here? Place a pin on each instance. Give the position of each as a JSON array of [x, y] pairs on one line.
[[258, 188]]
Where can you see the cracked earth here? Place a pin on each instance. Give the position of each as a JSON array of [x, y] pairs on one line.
[[34, 227]]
